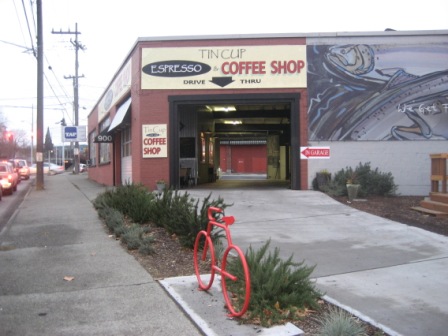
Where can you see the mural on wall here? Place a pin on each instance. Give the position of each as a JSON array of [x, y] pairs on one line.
[[378, 92]]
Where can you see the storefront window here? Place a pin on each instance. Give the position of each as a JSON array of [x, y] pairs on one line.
[[104, 147], [126, 142], [92, 148]]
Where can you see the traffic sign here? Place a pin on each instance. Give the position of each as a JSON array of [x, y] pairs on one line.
[[314, 153]]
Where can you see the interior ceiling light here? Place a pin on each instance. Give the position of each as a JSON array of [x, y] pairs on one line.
[[233, 122], [221, 108]]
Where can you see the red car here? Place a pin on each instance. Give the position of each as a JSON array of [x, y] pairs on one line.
[[12, 178]]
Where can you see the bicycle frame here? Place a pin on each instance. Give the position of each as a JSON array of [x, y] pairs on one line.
[[228, 220], [222, 222]]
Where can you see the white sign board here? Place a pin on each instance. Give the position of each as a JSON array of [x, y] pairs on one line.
[[224, 67], [154, 141], [74, 134]]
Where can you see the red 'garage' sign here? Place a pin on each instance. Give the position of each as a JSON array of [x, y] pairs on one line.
[[314, 152]]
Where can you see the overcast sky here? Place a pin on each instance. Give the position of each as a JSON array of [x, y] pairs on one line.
[[109, 29]]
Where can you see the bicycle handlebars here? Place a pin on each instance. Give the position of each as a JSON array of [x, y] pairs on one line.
[[212, 211]]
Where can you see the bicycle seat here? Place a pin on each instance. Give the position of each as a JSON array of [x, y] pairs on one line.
[[229, 220]]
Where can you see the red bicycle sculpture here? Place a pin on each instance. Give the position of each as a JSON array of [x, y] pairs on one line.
[[235, 289]]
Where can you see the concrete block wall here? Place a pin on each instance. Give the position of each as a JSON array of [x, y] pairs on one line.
[[408, 161]]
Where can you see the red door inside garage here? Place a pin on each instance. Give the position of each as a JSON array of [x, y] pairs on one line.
[[248, 159]]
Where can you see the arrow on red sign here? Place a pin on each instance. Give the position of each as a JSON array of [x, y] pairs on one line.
[[316, 152]]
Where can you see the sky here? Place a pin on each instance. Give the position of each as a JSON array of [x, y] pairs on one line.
[[109, 29]]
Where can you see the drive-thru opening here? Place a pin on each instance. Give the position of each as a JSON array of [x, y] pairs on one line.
[[215, 136]]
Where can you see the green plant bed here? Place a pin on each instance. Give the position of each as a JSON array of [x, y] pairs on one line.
[[280, 289]]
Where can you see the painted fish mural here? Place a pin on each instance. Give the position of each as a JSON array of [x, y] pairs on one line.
[[352, 99]]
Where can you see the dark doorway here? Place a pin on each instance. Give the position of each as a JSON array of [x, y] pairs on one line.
[[214, 123]]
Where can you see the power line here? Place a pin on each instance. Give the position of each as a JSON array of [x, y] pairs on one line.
[[32, 14], [29, 29], [27, 50], [18, 19]]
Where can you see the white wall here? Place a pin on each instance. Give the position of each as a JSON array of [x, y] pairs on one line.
[[408, 161]]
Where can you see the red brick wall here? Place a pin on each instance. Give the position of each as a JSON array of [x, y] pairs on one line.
[[152, 107]]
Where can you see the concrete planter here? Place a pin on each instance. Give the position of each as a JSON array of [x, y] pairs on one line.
[[160, 187], [352, 191]]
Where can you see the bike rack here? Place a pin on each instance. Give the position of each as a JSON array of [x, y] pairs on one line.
[[204, 236]]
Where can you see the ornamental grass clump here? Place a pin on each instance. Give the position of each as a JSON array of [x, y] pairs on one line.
[[281, 290], [147, 246], [113, 218], [132, 237], [337, 322]]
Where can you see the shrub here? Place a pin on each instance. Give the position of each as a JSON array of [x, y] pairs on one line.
[[279, 288], [146, 246], [132, 200], [120, 231], [337, 322], [373, 182], [113, 218], [321, 181], [179, 214], [133, 236]]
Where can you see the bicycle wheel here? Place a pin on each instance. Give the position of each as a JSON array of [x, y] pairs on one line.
[[204, 259], [235, 281]]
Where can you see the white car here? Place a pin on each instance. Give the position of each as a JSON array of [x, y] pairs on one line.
[[49, 168], [82, 168]]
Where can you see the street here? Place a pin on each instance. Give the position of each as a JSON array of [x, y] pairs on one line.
[[9, 203]]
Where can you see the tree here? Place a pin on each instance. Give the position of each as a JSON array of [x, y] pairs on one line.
[[48, 142]]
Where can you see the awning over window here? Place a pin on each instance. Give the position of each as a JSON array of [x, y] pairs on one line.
[[120, 115]]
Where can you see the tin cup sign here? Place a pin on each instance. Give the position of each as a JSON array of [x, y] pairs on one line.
[[154, 141]]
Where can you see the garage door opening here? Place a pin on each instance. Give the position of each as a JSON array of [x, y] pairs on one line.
[[234, 137]]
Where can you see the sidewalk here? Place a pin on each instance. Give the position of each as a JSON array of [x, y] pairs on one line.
[[390, 274], [56, 233]]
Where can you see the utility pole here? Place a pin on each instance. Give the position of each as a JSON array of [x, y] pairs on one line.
[[32, 135], [75, 78], [40, 100]]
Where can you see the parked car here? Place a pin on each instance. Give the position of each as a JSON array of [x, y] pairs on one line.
[[16, 168], [49, 168], [2, 182], [22, 168], [82, 168], [54, 169], [12, 178]]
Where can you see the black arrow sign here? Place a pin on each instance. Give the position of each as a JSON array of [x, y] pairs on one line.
[[222, 81]]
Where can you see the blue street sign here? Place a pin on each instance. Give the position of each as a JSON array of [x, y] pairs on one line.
[[71, 132]]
